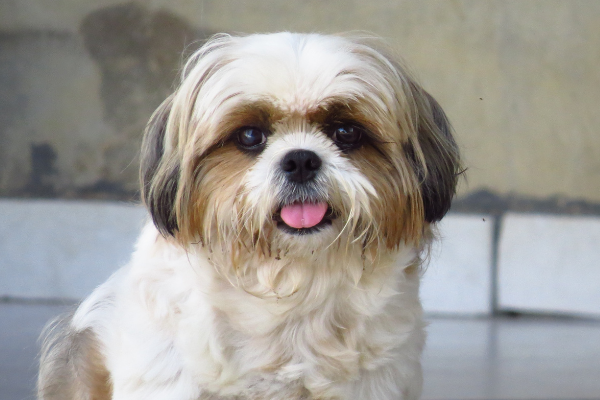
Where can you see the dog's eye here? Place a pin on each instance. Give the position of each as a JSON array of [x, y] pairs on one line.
[[347, 136], [251, 138]]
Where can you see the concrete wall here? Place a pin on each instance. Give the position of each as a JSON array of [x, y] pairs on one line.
[[519, 80]]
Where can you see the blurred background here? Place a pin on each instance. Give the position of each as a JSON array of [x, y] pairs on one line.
[[520, 81]]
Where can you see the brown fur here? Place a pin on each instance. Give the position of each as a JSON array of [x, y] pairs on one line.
[[410, 158], [427, 167], [219, 174], [71, 365]]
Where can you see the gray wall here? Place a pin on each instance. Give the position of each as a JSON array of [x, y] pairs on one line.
[[519, 80]]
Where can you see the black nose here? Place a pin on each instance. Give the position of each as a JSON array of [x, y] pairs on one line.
[[301, 165]]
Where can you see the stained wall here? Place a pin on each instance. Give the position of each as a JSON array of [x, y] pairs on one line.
[[519, 80]]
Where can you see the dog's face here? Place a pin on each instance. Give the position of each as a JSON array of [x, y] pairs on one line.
[[292, 143]]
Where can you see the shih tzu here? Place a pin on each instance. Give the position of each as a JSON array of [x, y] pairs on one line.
[[293, 181]]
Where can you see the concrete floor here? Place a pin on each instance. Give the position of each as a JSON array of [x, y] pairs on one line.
[[512, 358], [495, 358]]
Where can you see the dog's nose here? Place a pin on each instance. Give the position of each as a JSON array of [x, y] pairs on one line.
[[301, 165]]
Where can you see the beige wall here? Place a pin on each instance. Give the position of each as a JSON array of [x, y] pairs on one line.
[[519, 80]]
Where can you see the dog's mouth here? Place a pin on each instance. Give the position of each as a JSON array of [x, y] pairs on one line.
[[304, 217]]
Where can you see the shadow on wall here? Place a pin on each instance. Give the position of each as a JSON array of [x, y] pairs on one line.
[[138, 53]]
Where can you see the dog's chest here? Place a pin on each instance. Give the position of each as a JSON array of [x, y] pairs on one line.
[[245, 347], [300, 353]]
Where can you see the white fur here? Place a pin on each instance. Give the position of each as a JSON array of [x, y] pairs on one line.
[[172, 327], [325, 321]]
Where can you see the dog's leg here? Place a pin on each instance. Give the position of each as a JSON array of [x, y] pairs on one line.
[[71, 365]]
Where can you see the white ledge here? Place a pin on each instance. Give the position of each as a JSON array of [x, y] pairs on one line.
[[550, 264]]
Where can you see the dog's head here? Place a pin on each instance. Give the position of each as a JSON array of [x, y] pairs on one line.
[[293, 142]]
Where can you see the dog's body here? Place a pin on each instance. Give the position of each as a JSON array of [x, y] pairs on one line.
[[292, 181]]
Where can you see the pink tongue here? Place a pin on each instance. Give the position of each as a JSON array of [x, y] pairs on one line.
[[303, 215]]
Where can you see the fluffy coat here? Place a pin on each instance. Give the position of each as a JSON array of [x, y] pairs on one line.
[[218, 301]]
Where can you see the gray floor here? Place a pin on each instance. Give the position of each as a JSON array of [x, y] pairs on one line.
[[512, 358], [500, 358], [20, 326]]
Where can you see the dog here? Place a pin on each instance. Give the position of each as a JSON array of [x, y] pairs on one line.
[[293, 183]]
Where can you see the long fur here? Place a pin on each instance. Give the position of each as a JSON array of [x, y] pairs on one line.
[[217, 301]]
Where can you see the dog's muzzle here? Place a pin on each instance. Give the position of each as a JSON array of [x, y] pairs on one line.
[[304, 214]]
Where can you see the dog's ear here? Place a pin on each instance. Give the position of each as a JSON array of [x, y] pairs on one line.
[[159, 172], [438, 165]]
